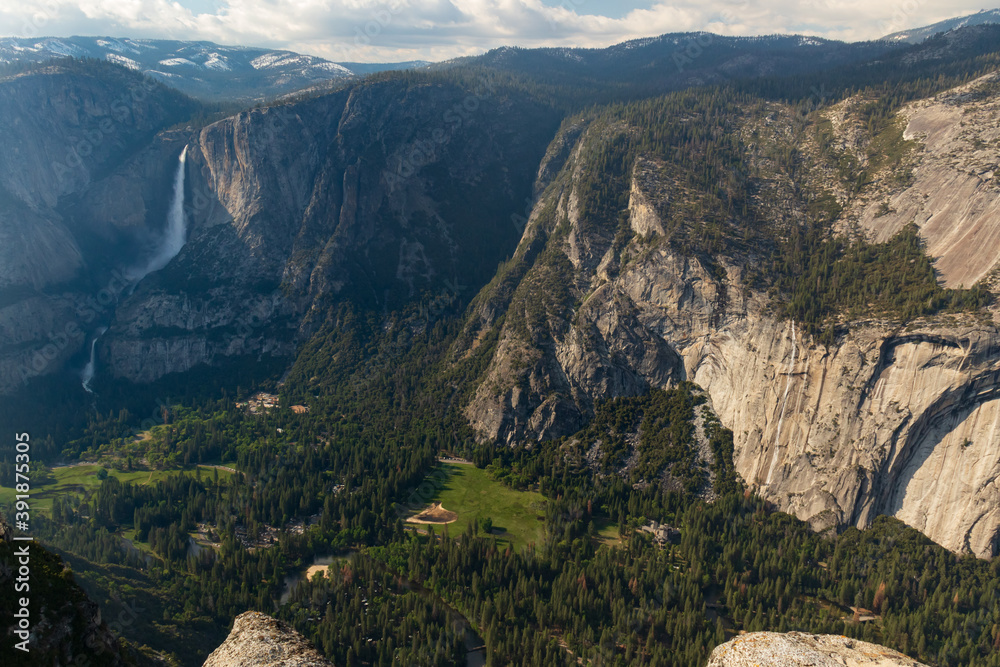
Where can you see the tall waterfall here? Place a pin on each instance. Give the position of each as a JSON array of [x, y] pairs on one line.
[[175, 233], [174, 237], [87, 375]]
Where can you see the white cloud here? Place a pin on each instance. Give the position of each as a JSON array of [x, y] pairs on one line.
[[370, 30]]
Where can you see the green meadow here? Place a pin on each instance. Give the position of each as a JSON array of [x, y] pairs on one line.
[[82, 480], [518, 516]]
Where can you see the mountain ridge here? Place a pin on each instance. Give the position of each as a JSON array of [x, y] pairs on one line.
[[916, 35], [202, 69]]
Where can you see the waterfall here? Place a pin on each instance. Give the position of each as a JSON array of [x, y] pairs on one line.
[[87, 375], [175, 233], [784, 402]]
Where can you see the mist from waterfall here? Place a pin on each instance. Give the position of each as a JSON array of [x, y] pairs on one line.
[[175, 233], [87, 375]]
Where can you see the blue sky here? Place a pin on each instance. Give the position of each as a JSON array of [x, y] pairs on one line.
[[393, 30]]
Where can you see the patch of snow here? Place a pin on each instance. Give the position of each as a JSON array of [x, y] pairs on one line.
[[116, 45], [291, 61], [61, 48], [268, 60], [217, 62], [570, 54], [809, 41], [179, 62], [332, 67], [122, 60]]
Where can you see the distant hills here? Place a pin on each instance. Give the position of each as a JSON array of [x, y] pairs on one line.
[[204, 70], [213, 72], [916, 35], [672, 61]]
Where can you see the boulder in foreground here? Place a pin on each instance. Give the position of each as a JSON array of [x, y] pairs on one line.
[[257, 640], [775, 649]]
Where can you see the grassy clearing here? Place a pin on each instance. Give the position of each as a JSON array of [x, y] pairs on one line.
[[82, 481], [607, 532], [518, 516]]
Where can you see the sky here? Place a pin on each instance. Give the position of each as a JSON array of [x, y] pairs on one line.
[[397, 30]]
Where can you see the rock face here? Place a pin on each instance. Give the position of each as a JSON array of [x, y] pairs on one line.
[[887, 420], [257, 640], [66, 127], [375, 195], [954, 195], [772, 649]]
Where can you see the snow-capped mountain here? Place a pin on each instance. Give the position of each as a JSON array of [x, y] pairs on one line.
[[916, 35], [200, 69]]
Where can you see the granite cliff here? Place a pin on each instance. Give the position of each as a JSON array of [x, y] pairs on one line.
[[882, 419], [376, 195], [67, 126]]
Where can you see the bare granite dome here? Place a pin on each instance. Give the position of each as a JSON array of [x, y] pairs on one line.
[[257, 640], [767, 649]]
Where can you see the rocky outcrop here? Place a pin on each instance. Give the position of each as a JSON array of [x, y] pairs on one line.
[[772, 649], [887, 420], [257, 640]]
